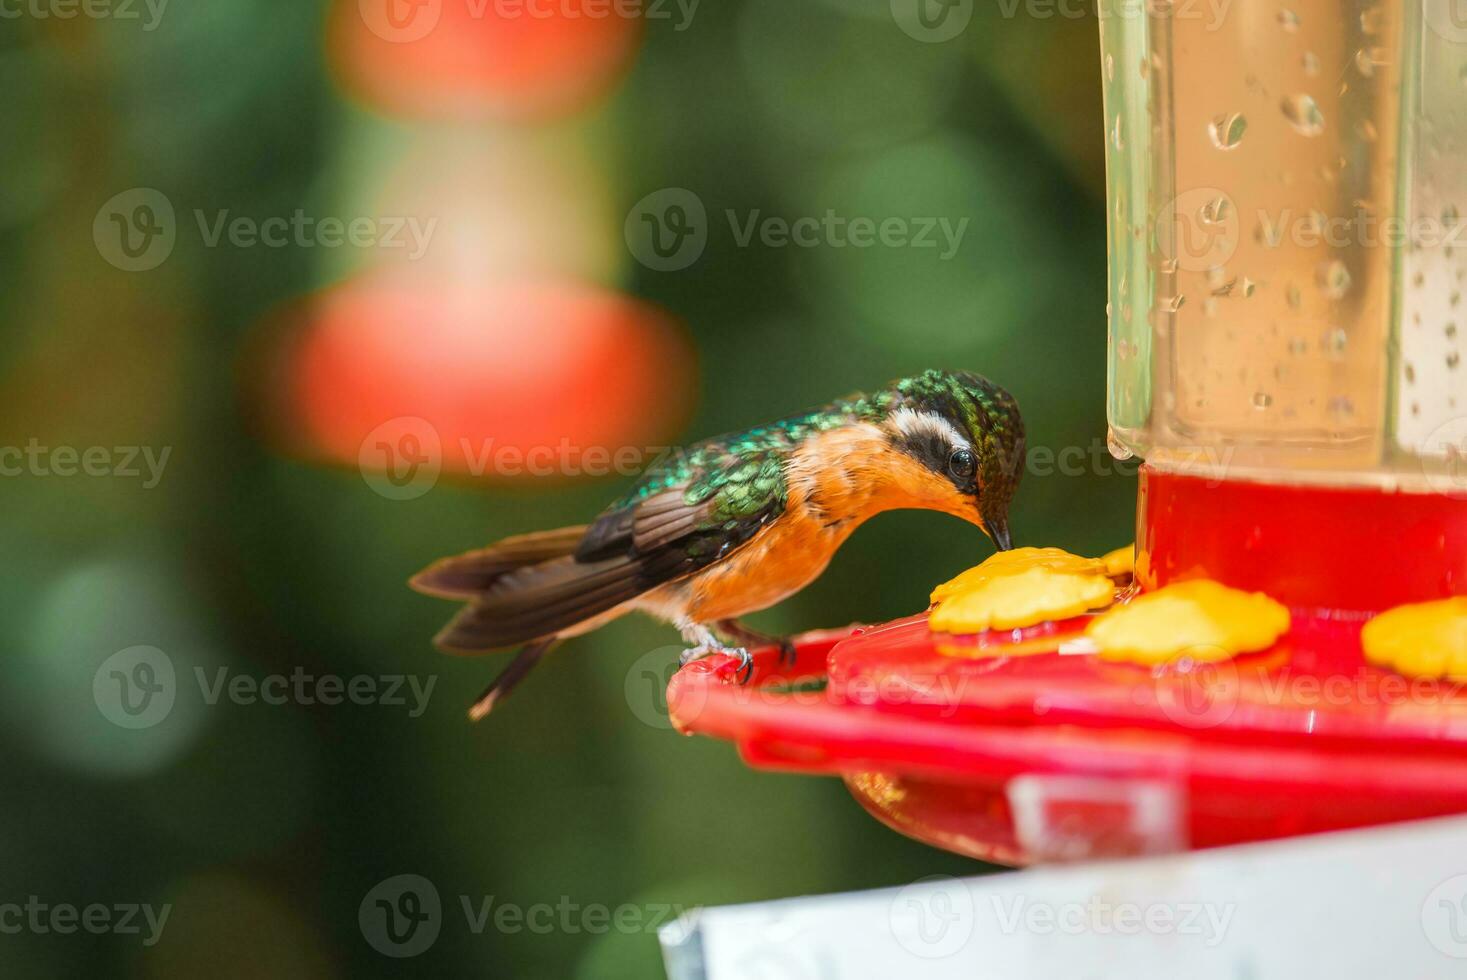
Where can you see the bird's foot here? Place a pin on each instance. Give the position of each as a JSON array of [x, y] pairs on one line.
[[744, 657]]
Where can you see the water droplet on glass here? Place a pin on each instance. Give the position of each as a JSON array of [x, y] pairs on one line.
[[1249, 286], [1336, 340], [1371, 21], [1261, 399], [1310, 61], [1450, 215], [1451, 331], [1145, 68], [1110, 68], [1227, 130], [1117, 138], [1334, 279], [1365, 129], [1367, 60], [1304, 114], [1172, 304], [1342, 406], [1216, 211], [1298, 346], [1410, 375], [1453, 359], [1288, 20], [1295, 298]]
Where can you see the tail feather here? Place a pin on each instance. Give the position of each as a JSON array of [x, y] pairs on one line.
[[532, 587], [546, 600], [527, 590], [510, 677], [469, 575]]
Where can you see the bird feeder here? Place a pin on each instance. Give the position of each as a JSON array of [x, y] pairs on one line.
[[1287, 259]]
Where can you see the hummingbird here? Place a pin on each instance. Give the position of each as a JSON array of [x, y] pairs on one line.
[[734, 524]]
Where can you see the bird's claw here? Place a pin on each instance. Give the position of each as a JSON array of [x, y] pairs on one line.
[[787, 653], [744, 657], [746, 665]]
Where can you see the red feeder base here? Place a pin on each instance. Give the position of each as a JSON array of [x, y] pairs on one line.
[[971, 745]]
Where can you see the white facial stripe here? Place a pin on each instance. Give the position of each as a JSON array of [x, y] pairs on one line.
[[913, 423]]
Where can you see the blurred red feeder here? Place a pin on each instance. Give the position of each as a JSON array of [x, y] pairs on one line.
[[471, 58], [515, 380], [1058, 755]]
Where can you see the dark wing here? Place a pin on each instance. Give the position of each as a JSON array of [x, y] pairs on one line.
[[677, 521], [719, 502]]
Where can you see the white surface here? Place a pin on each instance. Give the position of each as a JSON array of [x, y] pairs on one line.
[[1373, 904]]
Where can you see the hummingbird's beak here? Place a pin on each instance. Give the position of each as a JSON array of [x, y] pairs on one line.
[[999, 532]]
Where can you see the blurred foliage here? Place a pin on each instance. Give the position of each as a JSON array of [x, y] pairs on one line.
[[266, 825]]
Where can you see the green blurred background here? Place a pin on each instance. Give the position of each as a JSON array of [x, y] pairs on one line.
[[263, 550]]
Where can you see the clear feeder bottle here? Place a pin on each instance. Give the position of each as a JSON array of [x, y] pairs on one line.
[[1287, 185]]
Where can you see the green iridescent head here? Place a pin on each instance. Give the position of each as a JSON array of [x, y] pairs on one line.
[[966, 429]]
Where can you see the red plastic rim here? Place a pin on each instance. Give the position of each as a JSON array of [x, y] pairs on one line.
[[1029, 763], [1017, 746]]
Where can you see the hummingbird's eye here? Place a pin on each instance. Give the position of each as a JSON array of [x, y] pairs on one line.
[[961, 464]]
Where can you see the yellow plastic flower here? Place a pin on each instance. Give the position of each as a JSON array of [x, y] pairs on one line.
[[1201, 620], [1120, 562], [1017, 560], [1023, 598], [1019, 588], [1423, 639]]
